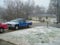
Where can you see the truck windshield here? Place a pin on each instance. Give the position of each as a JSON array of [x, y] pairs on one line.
[[18, 21]]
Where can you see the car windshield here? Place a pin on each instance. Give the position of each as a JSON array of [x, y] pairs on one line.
[[18, 20]]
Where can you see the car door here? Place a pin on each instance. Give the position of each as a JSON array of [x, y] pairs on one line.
[[22, 23]]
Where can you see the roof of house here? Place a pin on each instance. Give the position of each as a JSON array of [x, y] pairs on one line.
[[44, 15]]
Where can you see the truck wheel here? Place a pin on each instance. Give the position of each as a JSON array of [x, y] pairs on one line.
[[1, 30], [16, 27], [28, 26]]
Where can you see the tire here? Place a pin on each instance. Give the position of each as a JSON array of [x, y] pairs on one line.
[[28, 26], [16, 27], [1, 30]]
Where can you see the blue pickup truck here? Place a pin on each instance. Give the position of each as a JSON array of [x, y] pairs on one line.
[[18, 23]]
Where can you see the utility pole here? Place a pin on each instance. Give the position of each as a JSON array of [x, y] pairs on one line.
[[47, 21]]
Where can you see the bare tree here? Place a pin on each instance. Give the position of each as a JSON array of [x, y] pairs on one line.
[[18, 9], [54, 8]]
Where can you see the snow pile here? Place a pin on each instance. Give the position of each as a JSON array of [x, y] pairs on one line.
[[34, 36]]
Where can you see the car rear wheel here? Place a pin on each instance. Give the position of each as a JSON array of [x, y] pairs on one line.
[[28, 26], [1, 30]]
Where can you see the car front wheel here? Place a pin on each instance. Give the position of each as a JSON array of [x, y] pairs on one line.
[[28, 26], [16, 27]]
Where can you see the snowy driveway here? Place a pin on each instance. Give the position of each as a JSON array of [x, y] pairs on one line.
[[34, 36]]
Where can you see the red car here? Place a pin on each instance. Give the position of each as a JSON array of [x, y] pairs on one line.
[[3, 27]]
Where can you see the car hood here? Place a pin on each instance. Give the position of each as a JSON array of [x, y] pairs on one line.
[[11, 23]]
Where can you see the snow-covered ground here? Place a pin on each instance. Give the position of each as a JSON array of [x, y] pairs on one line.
[[34, 36]]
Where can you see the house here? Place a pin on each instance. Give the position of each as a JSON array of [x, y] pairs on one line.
[[43, 17]]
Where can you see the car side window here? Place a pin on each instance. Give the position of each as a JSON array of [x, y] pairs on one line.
[[22, 21]]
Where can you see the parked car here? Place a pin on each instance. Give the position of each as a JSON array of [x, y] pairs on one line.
[[18, 23], [3, 27]]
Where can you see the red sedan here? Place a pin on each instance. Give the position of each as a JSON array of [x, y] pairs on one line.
[[3, 27]]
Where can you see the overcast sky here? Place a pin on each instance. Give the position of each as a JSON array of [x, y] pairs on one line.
[[44, 3], [1, 2]]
